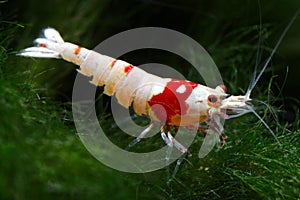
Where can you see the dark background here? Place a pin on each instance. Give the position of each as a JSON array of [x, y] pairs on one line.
[[42, 157]]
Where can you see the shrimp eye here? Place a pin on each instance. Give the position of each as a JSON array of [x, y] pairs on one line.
[[212, 98]]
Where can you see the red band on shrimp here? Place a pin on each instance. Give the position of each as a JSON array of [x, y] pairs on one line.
[[173, 100], [127, 69], [42, 45], [113, 63], [77, 50]]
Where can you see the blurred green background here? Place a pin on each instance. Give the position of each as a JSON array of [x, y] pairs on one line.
[[43, 158]]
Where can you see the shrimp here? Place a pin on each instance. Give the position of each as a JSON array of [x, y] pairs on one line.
[[170, 102], [167, 101]]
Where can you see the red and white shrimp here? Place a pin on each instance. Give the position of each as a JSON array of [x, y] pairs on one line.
[[168, 101]]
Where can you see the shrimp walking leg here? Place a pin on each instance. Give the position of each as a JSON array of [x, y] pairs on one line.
[[171, 141], [169, 144], [178, 163], [217, 128], [141, 136], [165, 138], [181, 148], [178, 146], [168, 153]]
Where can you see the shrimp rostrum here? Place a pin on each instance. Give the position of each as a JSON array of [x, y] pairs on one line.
[[169, 102]]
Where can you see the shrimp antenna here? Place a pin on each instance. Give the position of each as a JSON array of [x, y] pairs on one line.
[[253, 83], [258, 50], [264, 123]]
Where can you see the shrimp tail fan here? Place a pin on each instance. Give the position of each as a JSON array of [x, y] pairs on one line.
[[42, 48]]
